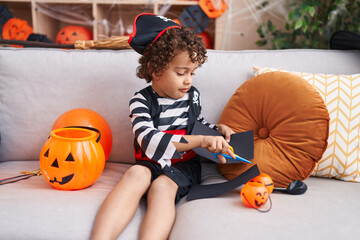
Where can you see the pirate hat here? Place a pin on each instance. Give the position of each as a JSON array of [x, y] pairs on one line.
[[147, 28]]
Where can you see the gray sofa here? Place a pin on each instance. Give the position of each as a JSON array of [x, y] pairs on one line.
[[38, 85]]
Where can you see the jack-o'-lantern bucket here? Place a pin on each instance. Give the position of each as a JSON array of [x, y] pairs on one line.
[[266, 180], [72, 158], [254, 194]]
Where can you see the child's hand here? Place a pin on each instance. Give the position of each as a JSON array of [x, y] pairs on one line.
[[225, 131], [217, 144]]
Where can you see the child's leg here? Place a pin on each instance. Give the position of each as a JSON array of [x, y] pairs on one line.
[[160, 214], [120, 205]]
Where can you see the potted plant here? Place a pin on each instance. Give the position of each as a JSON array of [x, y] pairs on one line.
[[310, 24]]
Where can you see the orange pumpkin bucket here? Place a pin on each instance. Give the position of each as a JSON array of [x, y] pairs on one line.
[[265, 179], [254, 194], [72, 158]]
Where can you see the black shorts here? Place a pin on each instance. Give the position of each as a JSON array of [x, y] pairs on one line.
[[191, 174]]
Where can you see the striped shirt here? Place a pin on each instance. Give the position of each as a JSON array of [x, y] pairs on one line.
[[157, 144]]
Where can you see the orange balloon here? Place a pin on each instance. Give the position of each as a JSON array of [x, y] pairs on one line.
[[72, 159], [265, 179], [87, 118], [254, 194], [210, 10]]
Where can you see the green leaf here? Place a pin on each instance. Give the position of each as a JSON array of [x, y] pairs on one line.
[[313, 28], [306, 19], [260, 29], [304, 27], [261, 43], [312, 11], [287, 26], [297, 13], [298, 24], [316, 3], [305, 9], [291, 15]]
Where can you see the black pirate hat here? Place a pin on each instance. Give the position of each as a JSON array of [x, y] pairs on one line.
[[147, 28]]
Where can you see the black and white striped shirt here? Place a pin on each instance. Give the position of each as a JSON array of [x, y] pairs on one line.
[[173, 115]]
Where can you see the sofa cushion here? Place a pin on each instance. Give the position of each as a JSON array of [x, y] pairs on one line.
[[51, 82], [291, 217], [341, 94], [290, 123], [32, 209]]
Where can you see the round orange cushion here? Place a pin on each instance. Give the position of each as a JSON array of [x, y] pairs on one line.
[[290, 122]]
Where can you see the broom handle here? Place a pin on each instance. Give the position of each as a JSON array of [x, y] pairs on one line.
[[36, 44]]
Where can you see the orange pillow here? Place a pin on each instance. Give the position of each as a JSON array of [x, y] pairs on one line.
[[290, 123]]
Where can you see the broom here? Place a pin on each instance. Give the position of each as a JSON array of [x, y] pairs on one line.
[[114, 43]]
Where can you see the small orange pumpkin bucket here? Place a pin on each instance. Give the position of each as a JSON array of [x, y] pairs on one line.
[[72, 158], [254, 194], [265, 179]]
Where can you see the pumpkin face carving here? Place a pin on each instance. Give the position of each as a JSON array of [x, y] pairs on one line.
[[16, 29], [254, 194], [72, 158], [70, 34]]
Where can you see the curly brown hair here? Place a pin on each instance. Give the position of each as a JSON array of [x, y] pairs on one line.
[[158, 55]]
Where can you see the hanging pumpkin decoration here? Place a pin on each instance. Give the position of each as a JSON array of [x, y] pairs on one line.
[[70, 34], [208, 7], [194, 18], [16, 29], [72, 158], [88, 118], [265, 179], [254, 194], [207, 40]]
